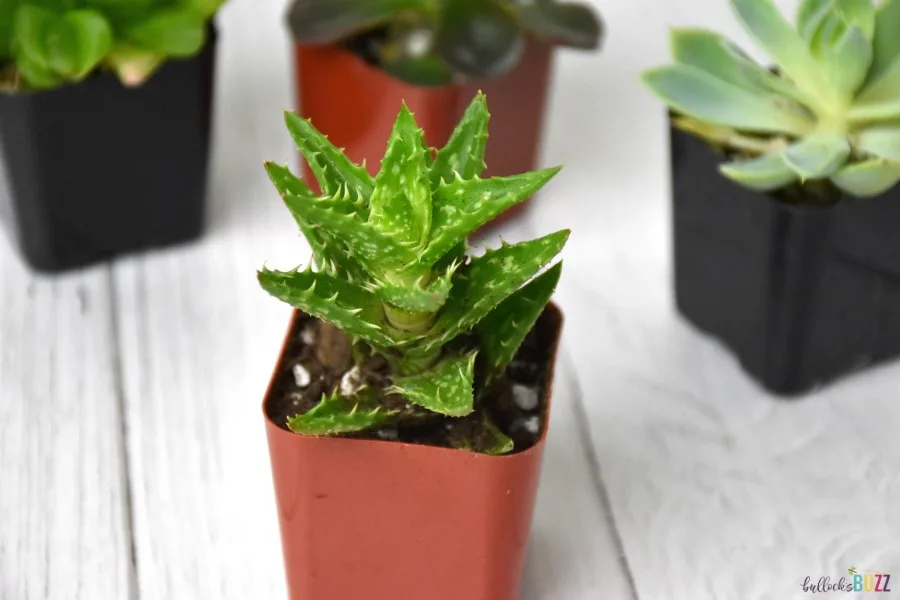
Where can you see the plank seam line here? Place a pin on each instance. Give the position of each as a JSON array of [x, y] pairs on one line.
[[125, 465], [590, 451]]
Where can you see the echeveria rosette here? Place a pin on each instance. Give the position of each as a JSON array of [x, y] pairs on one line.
[[392, 271], [48, 43], [829, 110], [428, 42]]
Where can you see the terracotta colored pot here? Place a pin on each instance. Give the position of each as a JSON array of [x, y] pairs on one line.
[[382, 520], [356, 105]]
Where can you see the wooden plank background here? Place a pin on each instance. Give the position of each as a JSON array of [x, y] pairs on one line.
[[132, 453]]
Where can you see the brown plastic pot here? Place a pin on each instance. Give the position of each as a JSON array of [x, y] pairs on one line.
[[384, 520], [356, 105]]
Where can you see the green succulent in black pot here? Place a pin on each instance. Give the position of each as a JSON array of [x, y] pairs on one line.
[[435, 42]]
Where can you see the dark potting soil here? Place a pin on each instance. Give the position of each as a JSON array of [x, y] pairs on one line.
[[319, 359]]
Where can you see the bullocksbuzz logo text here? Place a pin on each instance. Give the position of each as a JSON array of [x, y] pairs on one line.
[[856, 581]]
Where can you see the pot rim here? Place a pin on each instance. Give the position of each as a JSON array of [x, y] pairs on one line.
[[552, 307]]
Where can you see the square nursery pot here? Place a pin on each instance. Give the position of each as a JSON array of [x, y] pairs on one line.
[[356, 104], [385, 520], [801, 295], [95, 170]]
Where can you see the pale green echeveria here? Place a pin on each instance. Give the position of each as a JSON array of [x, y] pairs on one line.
[[828, 110], [392, 270]]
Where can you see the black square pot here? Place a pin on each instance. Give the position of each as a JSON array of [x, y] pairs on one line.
[[800, 295], [95, 170]]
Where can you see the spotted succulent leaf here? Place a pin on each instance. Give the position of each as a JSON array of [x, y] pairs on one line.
[[330, 165], [463, 206], [488, 280], [465, 150], [351, 308], [504, 329], [445, 389], [335, 415], [400, 206]]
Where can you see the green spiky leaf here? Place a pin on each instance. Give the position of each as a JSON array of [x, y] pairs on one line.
[[352, 309], [504, 329], [463, 206], [765, 173], [414, 297], [335, 415], [464, 152], [331, 167], [400, 206], [445, 389], [488, 280], [868, 178]]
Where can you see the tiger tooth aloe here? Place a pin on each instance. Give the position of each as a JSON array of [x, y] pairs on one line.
[[392, 271], [829, 111]]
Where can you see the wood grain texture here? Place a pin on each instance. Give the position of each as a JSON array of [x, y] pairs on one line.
[[717, 490], [63, 520]]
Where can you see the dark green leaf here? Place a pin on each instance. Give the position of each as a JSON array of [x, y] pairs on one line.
[[326, 21], [567, 24], [479, 39]]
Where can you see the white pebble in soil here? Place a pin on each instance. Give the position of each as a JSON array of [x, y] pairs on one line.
[[351, 382], [532, 425], [301, 376], [387, 434], [526, 398], [307, 335]]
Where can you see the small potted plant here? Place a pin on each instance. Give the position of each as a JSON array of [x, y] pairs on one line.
[[407, 413], [104, 139], [790, 253], [357, 60]]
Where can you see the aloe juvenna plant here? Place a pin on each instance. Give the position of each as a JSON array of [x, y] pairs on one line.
[[827, 115], [392, 270], [431, 42], [48, 43]]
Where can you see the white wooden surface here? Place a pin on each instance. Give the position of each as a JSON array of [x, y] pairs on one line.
[[132, 452]]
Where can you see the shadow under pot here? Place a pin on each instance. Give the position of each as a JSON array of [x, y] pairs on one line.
[[95, 170], [384, 520], [801, 294], [355, 104]]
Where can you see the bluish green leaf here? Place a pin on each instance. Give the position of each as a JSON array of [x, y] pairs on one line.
[[783, 43], [335, 415], [811, 14], [846, 62], [331, 167], [461, 207], [400, 206], [698, 94], [860, 13], [351, 309], [879, 100], [464, 152], [765, 173], [868, 178], [488, 280], [716, 55], [445, 389], [887, 42], [817, 156], [881, 142], [504, 329]]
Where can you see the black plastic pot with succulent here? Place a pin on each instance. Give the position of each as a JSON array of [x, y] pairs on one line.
[[436, 42]]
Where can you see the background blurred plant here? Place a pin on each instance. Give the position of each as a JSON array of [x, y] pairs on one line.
[[48, 43], [432, 42], [826, 116]]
